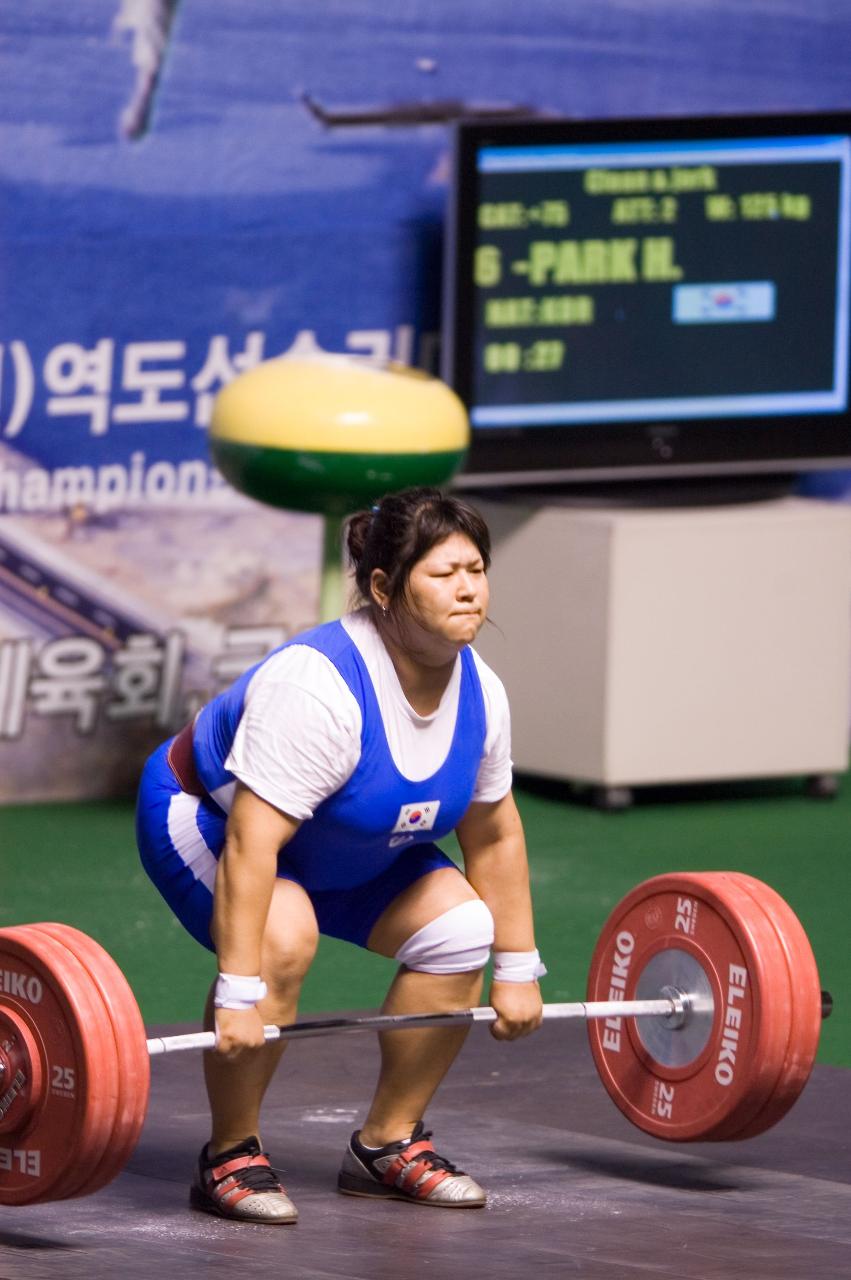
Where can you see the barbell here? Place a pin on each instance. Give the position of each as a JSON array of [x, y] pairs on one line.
[[703, 1009]]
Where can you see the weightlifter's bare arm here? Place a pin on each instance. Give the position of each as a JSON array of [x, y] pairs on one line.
[[245, 878]]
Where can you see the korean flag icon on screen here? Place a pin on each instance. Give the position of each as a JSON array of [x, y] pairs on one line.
[[416, 817]]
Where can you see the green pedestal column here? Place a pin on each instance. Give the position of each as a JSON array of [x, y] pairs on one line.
[[332, 592]]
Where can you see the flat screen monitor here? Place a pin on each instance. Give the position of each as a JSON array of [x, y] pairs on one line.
[[650, 299]]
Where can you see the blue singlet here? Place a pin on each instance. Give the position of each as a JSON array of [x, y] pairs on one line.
[[364, 844]]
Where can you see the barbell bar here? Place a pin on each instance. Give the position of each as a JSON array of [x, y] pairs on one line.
[[675, 1006], [703, 1012]]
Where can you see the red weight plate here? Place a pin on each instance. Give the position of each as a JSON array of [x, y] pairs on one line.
[[761, 1063], [805, 1026], [134, 1064], [718, 1071], [64, 1138], [765, 1064]]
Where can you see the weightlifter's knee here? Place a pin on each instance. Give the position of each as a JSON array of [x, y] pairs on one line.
[[289, 942], [457, 941]]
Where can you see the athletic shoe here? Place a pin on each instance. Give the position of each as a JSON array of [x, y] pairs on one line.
[[408, 1170], [240, 1183]]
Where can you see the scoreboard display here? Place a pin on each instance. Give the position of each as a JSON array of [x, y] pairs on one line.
[[651, 272]]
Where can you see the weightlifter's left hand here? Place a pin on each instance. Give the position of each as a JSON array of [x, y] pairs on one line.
[[519, 1007]]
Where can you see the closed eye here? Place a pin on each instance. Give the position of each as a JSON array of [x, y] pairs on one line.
[[446, 568], [448, 573]]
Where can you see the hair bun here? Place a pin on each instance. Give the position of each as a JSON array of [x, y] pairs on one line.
[[357, 531]]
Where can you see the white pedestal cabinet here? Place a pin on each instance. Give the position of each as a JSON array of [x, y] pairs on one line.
[[667, 645]]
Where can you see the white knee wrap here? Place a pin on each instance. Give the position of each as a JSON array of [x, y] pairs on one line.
[[456, 942]]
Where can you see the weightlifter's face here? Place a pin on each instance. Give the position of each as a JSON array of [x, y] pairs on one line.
[[448, 591]]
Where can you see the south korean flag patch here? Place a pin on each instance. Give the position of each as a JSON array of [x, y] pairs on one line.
[[413, 818]]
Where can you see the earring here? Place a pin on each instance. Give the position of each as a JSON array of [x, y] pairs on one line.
[[384, 612]]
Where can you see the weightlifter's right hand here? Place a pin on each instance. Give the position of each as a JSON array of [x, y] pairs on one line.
[[238, 1030]]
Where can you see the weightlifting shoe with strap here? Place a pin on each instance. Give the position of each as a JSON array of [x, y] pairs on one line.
[[408, 1170], [241, 1184]]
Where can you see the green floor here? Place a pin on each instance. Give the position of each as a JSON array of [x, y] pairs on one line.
[[77, 863]]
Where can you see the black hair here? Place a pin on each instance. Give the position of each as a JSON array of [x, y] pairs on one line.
[[403, 527]]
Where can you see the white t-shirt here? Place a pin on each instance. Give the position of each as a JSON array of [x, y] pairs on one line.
[[299, 737]]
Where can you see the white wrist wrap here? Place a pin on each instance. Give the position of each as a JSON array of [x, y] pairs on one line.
[[517, 966], [233, 991]]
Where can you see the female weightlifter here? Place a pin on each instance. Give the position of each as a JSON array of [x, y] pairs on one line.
[[306, 800]]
